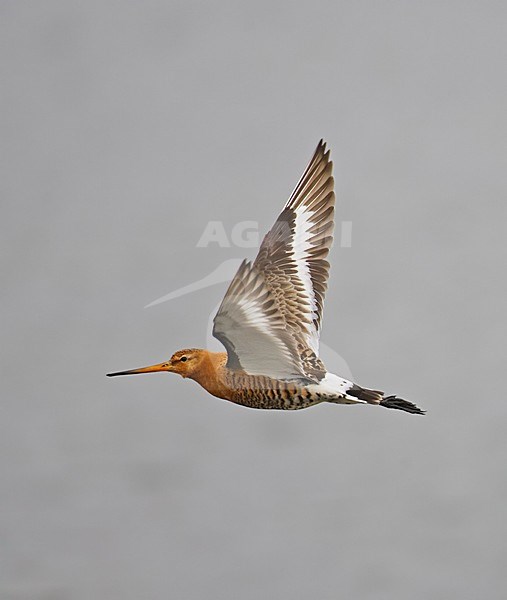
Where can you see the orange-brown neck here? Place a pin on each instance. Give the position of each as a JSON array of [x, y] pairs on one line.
[[210, 374]]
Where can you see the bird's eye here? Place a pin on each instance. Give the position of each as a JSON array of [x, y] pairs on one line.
[[183, 359]]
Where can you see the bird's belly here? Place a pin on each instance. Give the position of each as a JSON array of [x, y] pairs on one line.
[[264, 393], [274, 400], [258, 391]]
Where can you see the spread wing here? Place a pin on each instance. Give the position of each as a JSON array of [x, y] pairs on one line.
[[293, 254], [250, 326], [270, 318]]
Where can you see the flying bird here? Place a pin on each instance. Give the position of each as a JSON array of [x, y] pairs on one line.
[[271, 316]]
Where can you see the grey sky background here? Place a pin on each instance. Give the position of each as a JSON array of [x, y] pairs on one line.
[[127, 127]]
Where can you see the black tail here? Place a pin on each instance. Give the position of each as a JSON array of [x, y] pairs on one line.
[[400, 404], [377, 397]]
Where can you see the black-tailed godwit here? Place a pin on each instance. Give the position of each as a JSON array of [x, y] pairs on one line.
[[270, 318]]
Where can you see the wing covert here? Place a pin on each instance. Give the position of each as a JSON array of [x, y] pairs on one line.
[[250, 326]]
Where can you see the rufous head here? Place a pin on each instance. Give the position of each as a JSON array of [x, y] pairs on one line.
[[183, 362]]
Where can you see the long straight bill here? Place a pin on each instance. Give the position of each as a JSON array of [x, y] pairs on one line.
[[152, 369]]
